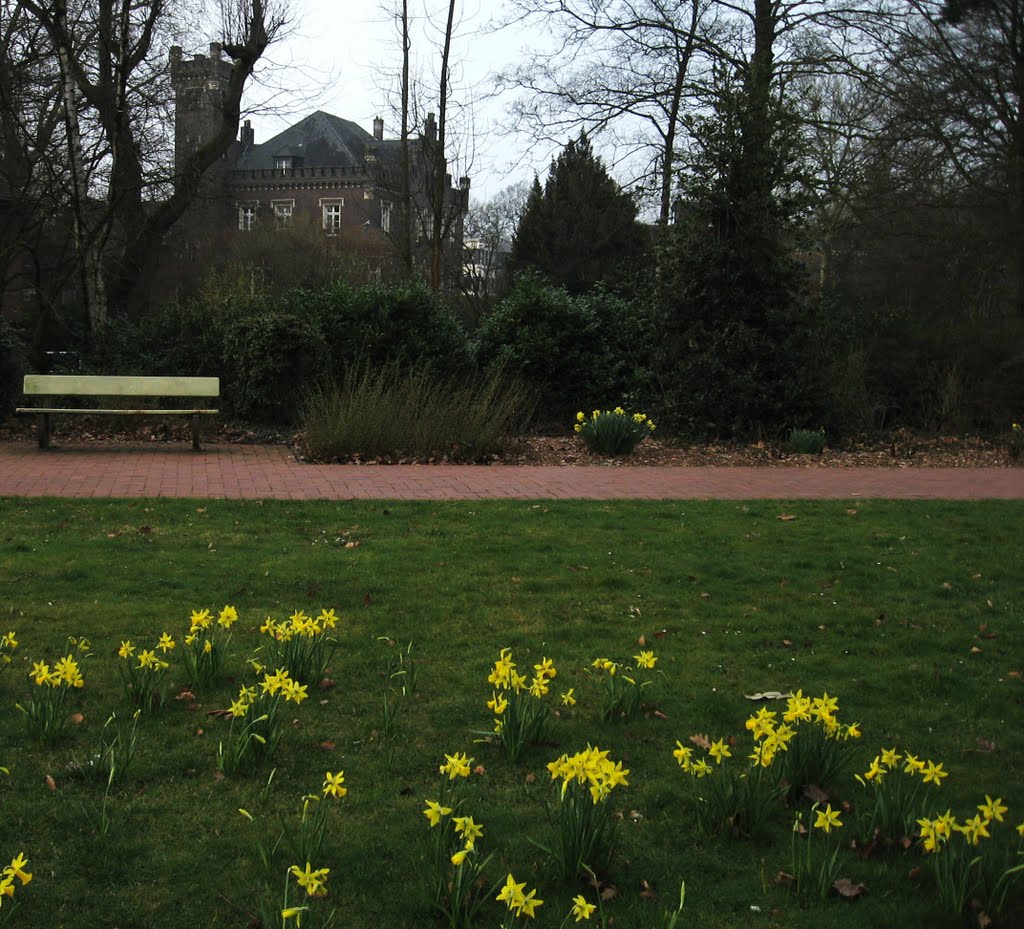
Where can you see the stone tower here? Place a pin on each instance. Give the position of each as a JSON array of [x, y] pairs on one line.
[[199, 85]]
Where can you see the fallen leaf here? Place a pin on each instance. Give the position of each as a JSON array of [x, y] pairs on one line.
[[351, 545], [635, 815], [77, 719], [50, 782], [647, 892], [787, 643], [701, 741], [186, 695], [786, 517], [367, 600], [946, 585], [218, 775], [815, 794], [851, 512], [609, 892], [193, 707], [848, 890], [705, 596], [200, 732], [326, 684], [1015, 674], [327, 745], [783, 878], [975, 650], [296, 724], [479, 770], [914, 873], [661, 634], [531, 778], [220, 714], [984, 920], [657, 714], [201, 509], [986, 746]]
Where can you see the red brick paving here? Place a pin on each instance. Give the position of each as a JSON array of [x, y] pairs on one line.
[[265, 472]]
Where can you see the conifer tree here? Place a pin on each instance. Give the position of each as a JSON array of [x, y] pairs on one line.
[[580, 228]]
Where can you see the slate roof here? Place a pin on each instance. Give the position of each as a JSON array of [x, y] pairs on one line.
[[320, 140]]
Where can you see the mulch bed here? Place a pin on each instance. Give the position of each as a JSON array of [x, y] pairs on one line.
[[901, 449]]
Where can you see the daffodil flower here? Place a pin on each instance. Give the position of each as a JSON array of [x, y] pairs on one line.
[[827, 818], [581, 909], [333, 784]]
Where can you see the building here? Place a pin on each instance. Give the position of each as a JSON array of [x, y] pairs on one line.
[[325, 172]]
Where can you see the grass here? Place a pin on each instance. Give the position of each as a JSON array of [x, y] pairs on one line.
[[880, 603], [395, 414]]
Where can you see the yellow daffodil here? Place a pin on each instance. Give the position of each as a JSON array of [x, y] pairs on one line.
[[228, 616], [294, 912], [312, 881], [166, 643], [459, 857], [581, 909], [511, 894], [528, 904], [435, 812], [933, 773], [334, 784], [467, 828], [126, 649], [568, 699], [682, 754], [456, 765], [17, 868], [889, 757], [645, 659], [993, 809], [827, 818], [719, 751]]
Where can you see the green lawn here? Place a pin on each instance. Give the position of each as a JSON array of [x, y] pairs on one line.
[[910, 613]]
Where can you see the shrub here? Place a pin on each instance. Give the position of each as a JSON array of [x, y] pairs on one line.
[[613, 432], [270, 359], [394, 413], [12, 364], [806, 441], [592, 348]]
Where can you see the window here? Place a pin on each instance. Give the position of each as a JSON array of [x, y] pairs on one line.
[[332, 216], [246, 216], [282, 164], [283, 210], [385, 217]]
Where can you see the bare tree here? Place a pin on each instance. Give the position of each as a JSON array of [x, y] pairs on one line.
[[115, 100]]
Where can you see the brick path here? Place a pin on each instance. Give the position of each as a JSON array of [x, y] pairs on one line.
[[255, 471]]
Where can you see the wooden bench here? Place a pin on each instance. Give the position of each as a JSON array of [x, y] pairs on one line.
[[73, 385]]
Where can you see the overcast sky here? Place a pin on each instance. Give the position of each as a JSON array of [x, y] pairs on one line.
[[341, 57]]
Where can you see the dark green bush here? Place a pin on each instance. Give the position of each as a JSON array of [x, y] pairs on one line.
[[271, 358], [578, 352], [407, 324], [12, 365], [806, 441]]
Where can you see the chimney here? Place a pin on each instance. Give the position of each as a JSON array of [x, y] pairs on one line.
[[464, 183], [430, 128], [378, 129], [247, 137], [215, 51]]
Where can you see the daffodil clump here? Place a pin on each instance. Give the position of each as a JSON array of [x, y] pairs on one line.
[[315, 812], [624, 684], [206, 644], [8, 643], [584, 836], [816, 874], [974, 859], [12, 873], [143, 671], [823, 748], [520, 902], [301, 644], [613, 432], [454, 864], [520, 712], [46, 712], [897, 783], [256, 713], [312, 884], [736, 798]]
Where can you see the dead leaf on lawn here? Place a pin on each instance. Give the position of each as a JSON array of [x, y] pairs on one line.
[[186, 695], [352, 544], [914, 873], [327, 745], [701, 741], [219, 714], [783, 878], [326, 684], [975, 650], [786, 517], [218, 775], [815, 794], [479, 770], [848, 890], [531, 778], [296, 724], [77, 719], [657, 714], [986, 746], [647, 892], [641, 641], [635, 815], [50, 782], [609, 892], [787, 643], [851, 512], [984, 920], [946, 585], [661, 634]]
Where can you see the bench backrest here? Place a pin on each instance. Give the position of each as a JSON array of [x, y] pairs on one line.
[[82, 385]]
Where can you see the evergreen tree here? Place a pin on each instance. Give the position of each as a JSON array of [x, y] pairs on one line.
[[581, 227]]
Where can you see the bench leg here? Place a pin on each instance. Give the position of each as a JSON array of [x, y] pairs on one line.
[[43, 429], [195, 433]]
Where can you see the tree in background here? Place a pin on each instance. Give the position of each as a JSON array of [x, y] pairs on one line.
[[581, 227]]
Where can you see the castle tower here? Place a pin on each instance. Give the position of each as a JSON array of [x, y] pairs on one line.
[[199, 85]]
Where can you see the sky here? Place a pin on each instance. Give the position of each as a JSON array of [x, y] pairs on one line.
[[340, 57]]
